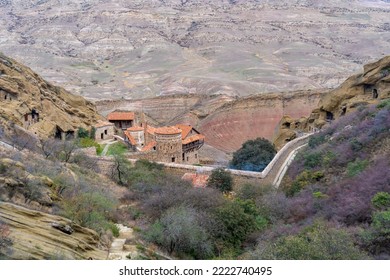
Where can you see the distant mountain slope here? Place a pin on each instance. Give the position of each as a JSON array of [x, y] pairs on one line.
[[29, 101], [136, 49]]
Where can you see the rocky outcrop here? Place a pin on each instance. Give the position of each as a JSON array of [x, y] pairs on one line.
[[257, 116], [369, 87], [34, 236], [30, 102]]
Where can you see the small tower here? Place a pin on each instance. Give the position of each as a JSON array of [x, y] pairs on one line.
[[169, 144]]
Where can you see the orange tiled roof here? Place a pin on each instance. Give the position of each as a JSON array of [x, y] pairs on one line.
[[135, 128], [197, 180], [185, 130], [150, 129], [149, 146], [193, 138], [102, 124], [131, 138], [121, 116], [168, 130]]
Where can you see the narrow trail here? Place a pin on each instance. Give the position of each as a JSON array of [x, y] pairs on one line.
[[119, 250], [108, 144]]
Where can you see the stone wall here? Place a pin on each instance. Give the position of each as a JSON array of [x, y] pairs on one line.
[[104, 132], [191, 157]]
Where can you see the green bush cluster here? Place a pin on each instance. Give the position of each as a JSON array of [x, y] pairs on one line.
[[304, 179], [356, 167]]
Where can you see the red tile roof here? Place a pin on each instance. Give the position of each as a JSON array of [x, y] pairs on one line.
[[185, 130], [193, 139], [131, 138], [197, 180], [102, 124], [150, 129], [135, 128], [149, 146], [168, 130], [121, 116]]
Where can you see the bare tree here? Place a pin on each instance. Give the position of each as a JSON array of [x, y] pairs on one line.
[[48, 147]]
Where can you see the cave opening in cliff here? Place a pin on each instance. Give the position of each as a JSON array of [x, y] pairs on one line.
[[329, 116], [375, 93], [58, 133], [69, 135], [343, 110]]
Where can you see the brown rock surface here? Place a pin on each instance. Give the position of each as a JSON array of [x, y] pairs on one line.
[[34, 237], [22, 90], [369, 87]]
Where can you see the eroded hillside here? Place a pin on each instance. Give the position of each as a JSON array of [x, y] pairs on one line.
[[30, 102], [136, 49]]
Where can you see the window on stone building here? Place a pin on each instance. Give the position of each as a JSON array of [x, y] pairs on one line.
[[105, 132], [173, 159], [196, 155], [188, 158]]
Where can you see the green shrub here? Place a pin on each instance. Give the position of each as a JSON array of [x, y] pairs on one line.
[[254, 155], [383, 104], [304, 179], [312, 160], [99, 150], [356, 167], [316, 242], [114, 229], [381, 222], [82, 133], [328, 158], [381, 200], [87, 142], [220, 179], [316, 140], [117, 149]]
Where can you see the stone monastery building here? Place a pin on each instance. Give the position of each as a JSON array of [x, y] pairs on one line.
[[176, 144]]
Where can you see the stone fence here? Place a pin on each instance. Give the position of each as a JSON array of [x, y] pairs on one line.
[[106, 162]]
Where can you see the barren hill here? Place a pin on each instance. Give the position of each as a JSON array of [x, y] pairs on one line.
[[136, 49]]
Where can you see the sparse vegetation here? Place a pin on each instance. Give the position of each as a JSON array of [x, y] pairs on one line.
[[220, 179]]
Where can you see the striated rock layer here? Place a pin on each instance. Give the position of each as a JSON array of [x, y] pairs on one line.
[[35, 237], [23, 93]]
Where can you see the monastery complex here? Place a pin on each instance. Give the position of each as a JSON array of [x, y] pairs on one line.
[[178, 144]]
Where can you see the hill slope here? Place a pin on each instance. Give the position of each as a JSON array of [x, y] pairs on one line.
[[23, 94], [136, 49]]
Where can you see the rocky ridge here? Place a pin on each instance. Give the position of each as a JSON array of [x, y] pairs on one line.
[[369, 87], [24, 93]]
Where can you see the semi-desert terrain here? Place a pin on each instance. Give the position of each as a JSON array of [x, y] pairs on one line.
[[105, 49]]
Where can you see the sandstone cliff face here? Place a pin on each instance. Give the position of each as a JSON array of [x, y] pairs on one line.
[[369, 87], [23, 94], [258, 116], [226, 122], [35, 237]]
